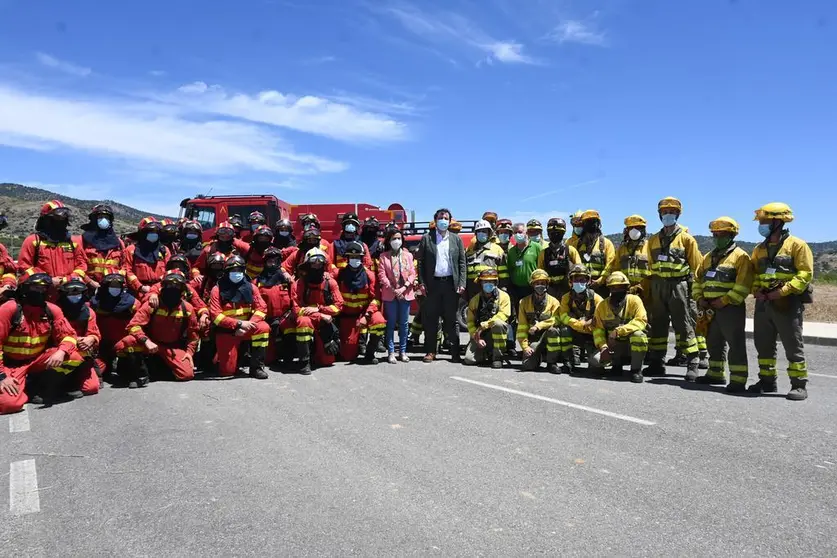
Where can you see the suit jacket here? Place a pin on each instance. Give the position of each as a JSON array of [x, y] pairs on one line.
[[387, 279], [426, 255]]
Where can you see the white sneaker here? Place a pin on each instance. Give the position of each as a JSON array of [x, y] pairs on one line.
[[404, 358], [391, 359]]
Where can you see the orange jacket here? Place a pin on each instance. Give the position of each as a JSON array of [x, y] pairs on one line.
[[100, 264], [64, 260], [276, 297], [7, 268], [191, 296], [34, 334], [140, 272], [361, 302], [226, 314], [166, 326], [305, 295], [238, 247]]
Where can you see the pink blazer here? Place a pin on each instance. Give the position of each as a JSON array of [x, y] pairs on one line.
[[387, 279]]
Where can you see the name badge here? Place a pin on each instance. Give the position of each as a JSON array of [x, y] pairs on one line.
[[710, 274], [662, 258], [553, 262], [519, 263], [771, 271], [586, 257]]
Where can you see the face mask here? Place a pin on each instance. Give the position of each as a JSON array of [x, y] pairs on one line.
[[395, 244], [315, 275], [535, 239], [722, 242], [634, 234], [191, 236], [540, 289], [618, 296], [236, 276], [350, 229], [482, 237], [504, 238], [578, 230], [354, 264], [442, 224], [74, 299], [103, 223], [556, 236], [152, 237], [519, 238], [170, 296], [34, 298], [284, 233], [114, 291], [591, 227], [216, 272], [488, 288], [669, 219], [765, 230], [579, 287]]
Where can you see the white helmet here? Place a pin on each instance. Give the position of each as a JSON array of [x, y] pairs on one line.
[[482, 224], [314, 253]]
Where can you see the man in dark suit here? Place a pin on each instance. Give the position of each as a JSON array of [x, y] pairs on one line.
[[441, 276]]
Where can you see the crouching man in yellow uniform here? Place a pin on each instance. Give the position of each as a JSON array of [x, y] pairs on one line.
[[488, 321], [619, 327]]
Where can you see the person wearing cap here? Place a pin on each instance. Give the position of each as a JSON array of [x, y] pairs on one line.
[[722, 283], [484, 253], [103, 249], [114, 306], [203, 285], [237, 224], [597, 252], [522, 261], [557, 258], [51, 249], [317, 302], [311, 238], [189, 243], [578, 308], [163, 339], [224, 242], [145, 261], [488, 316], [784, 268], [72, 299], [675, 258], [275, 287], [349, 234], [442, 275], [360, 322], [619, 328], [38, 352], [168, 234], [633, 258], [537, 331], [238, 313]]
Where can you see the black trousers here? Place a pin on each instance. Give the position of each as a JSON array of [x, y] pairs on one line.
[[441, 302]]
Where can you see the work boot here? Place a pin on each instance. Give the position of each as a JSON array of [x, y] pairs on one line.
[[678, 360], [636, 376], [428, 358], [692, 371], [305, 370], [656, 368], [75, 394], [497, 364], [617, 371], [703, 363], [371, 347], [798, 391], [764, 385], [736, 388], [257, 363], [706, 379], [566, 369], [553, 368]]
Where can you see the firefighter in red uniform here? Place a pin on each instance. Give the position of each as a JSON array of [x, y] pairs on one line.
[[104, 250], [168, 234], [284, 238], [317, 302], [311, 238], [255, 220], [189, 242], [261, 241], [350, 235], [145, 261], [51, 249], [114, 307], [165, 337], [238, 313], [8, 277], [38, 348], [361, 323], [237, 223], [181, 264], [224, 242], [203, 285], [311, 221], [275, 287], [72, 299]]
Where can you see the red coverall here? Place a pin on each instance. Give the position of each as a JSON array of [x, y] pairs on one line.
[[191, 296], [25, 351], [166, 332], [86, 328], [225, 315], [100, 264], [141, 273], [292, 262], [64, 260], [307, 326], [238, 247], [279, 306], [361, 304], [340, 261], [112, 327]]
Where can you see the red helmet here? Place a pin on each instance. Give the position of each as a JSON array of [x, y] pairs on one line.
[[148, 224], [55, 207]]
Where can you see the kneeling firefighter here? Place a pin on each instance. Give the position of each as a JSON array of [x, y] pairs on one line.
[[72, 299], [361, 323], [488, 317], [537, 331], [578, 308], [619, 328], [275, 288]]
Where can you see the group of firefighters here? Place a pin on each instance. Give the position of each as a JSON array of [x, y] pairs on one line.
[[161, 303]]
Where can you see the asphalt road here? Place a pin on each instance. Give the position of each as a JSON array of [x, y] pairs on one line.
[[420, 460]]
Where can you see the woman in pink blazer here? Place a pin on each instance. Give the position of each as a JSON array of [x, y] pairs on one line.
[[396, 277]]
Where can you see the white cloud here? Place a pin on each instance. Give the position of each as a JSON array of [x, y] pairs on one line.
[[509, 52], [317, 60], [61, 65], [575, 31], [310, 114], [144, 134], [157, 73]]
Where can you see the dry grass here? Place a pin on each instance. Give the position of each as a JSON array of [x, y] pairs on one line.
[[824, 308]]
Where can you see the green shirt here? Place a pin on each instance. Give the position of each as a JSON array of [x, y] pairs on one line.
[[522, 264]]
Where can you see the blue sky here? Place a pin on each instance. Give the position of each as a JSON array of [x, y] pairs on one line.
[[527, 107]]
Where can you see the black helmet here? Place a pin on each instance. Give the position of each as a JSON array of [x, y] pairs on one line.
[[178, 261], [36, 281], [101, 209], [73, 286], [371, 223], [234, 262], [215, 262], [236, 221], [353, 249], [256, 217], [113, 280], [350, 218], [174, 278], [284, 224], [556, 223], [272, 252]]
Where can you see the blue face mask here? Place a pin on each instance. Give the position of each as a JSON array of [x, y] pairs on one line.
[[504, 237], [488, 288], [442, 224], [579, 287], [253, 227], [765, 230], [114, 291], [354, 264], [520, 238], [152, 237], [103, 223], [284, 233], [578, 231], [350, 229], [535, 239], [191, 236], [669, 219], [236, 276], [482, 237], [74, 299]]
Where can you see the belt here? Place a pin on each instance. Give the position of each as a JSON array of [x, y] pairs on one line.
[[445, 278]]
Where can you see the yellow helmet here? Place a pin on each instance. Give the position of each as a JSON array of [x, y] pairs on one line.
[[724, 224], [538, 275], [617, 279], [455, 226], [590, 214], [636, 221], [577, 270], [774, 210], [575, 218], [670, 203], [489, 274]]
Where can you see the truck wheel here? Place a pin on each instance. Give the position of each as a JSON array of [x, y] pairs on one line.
[[462, 315]]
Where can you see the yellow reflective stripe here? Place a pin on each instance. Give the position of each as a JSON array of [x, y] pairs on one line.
[[24, 350], [258, 313], [334, 309], [71, 340], [27, 340], [218, 319], [135, 329], [237, 312], [80, 273]]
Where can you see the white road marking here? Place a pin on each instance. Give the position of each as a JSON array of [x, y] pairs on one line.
[[23, 488], [19, 422], [558, 402], [833, 377]]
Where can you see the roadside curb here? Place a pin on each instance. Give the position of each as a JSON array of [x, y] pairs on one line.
[[811, 340]]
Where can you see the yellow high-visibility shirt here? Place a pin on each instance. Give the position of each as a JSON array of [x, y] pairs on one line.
[[501, 314], [527, 317], [727, 276], [573, 311], [631, 318], [792, 266], [674, 257]]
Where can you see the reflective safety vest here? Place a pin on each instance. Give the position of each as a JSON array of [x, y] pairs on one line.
[[574, 309], [599, 258], [629, 318], [675, 256], [634, 261], [478, 258], [481, 311], [727, 275], [556, 262], [788, 265], [528, 315]]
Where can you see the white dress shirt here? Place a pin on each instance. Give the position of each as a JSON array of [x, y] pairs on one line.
[[443, 263]]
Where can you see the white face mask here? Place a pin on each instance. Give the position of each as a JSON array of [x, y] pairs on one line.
[[635, 234], [395, 243], [354, 264]]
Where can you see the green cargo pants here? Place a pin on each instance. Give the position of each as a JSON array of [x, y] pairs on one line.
[[782, 319], [727, 328], [547, 345], [670, 301]]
